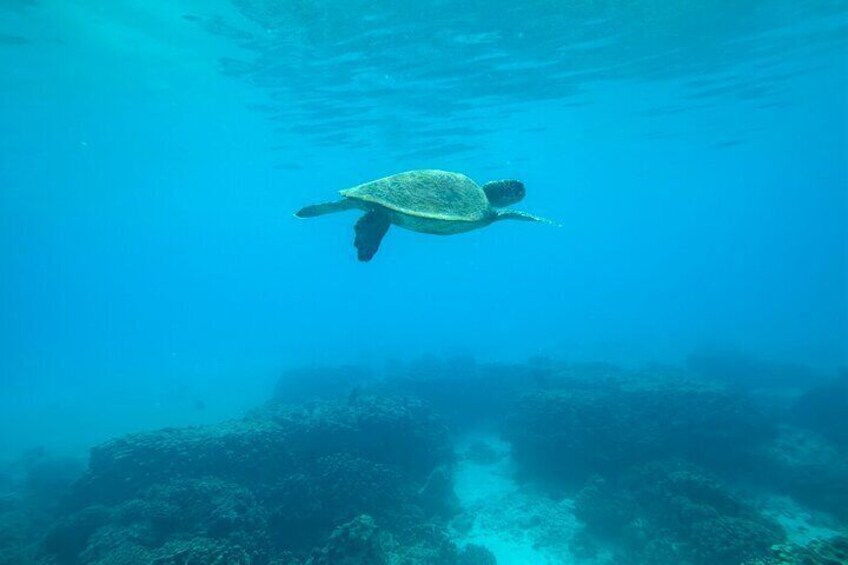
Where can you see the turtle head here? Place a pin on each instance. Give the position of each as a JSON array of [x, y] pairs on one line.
[[503, 192]]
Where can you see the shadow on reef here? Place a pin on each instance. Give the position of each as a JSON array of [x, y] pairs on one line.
[[347, 467]]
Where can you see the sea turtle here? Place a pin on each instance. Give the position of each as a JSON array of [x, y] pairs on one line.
[[426, 201]]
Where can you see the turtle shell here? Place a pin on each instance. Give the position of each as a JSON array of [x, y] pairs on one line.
[[432, 194]]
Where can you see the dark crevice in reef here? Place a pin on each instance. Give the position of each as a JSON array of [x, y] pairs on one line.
[[655, 466]]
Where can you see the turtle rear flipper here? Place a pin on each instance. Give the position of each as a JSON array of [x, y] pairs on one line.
[[326, 208], [370, 230], [525, 217]]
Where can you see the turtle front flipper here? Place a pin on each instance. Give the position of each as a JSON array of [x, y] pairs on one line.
[[326, 208], [370, 230]]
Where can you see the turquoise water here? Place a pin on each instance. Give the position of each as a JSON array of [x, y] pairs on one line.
[[152, 155]]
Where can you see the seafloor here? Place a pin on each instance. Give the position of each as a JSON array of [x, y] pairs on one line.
[[455, 462]]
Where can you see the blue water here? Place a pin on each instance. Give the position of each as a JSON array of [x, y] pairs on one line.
[[152, 156]]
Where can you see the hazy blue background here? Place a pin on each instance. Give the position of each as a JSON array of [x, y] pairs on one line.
[[151, 155]]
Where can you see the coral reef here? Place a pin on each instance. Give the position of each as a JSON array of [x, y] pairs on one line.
[[282, 481], [832, 551], [738, 370], [674, 512], [808, 467], [556, 462], [473, 554], [357, 542], [482, 453], [606, 427], [437, 495], [822, 409], [448, 384], [30, 491]]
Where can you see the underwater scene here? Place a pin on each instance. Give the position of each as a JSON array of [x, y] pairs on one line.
[[406, 282]]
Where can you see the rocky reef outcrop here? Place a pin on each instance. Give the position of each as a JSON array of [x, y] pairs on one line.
[[584, 462], [577, 428], [346, 477], [673, 512]]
